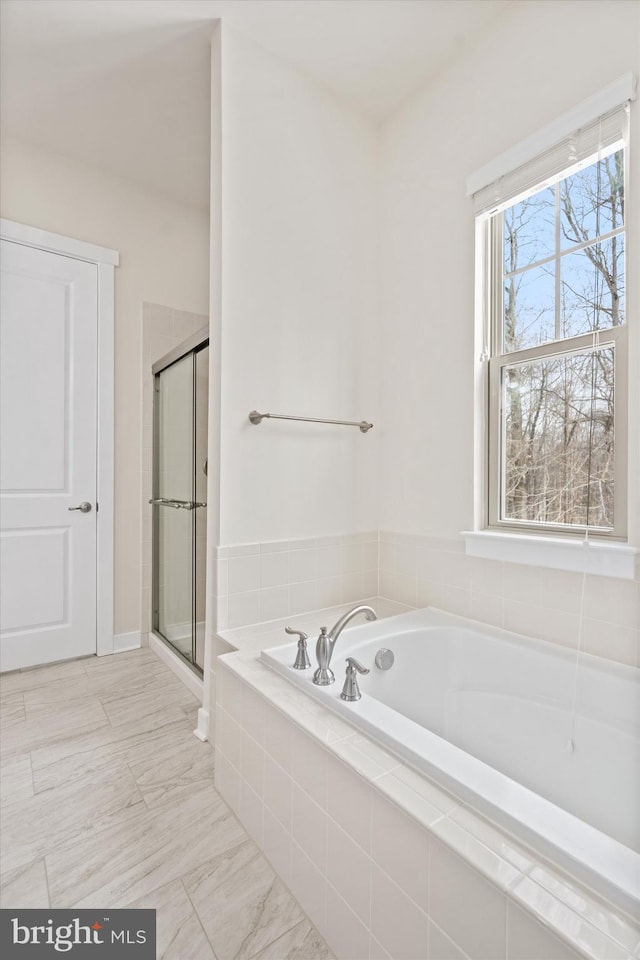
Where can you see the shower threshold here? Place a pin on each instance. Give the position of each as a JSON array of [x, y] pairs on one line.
[[189, 673]]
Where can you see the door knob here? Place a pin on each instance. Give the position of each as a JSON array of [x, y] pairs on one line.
[[84, 507]]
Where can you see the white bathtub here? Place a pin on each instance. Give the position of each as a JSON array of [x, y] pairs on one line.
[[487, 715]]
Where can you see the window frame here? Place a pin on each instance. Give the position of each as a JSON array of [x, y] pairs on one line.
[[492, 306]]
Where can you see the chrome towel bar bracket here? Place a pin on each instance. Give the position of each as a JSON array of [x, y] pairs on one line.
[[257, 418]]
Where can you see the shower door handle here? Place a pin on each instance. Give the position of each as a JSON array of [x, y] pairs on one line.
[[176, 504], [165, 502]]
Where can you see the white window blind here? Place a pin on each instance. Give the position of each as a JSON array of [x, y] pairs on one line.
[[600, 137], [593, 124]]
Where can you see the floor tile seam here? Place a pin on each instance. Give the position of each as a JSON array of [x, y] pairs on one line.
[[177, 746], [84, 668], [37, 686], [196, 914], [47, 708], [10, 723], [115, 719], [63, 842], [263, 910], [130, 680], [227, 849], [106, 716], [142, 668], [173, 781], [197, 786], [153, 685], [131, 868], [163, 806], [284, 933], [115, 691], [137, 785], [84, 754], [289, 889], [60, 841], [18, 757], [6, 875], [33, 783], [256, 856], [46, 880], [116, 762], [5, 700]]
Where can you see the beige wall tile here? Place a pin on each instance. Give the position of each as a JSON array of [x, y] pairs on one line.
[[349, 870], [396, 922], [400, 847], [348, 936], [465, 906]]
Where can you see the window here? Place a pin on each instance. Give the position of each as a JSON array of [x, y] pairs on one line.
[[555, 337]]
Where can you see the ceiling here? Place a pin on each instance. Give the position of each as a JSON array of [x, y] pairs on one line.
[[124, 84]]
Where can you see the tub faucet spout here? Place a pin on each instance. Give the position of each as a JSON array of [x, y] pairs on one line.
[[327, 641]]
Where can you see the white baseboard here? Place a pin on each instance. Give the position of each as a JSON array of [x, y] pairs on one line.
[[127, 641], [202, 730], [181, 670]]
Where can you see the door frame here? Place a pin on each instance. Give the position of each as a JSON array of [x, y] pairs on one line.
[[106, 261]]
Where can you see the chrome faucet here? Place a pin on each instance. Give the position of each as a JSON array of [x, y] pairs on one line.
[[327, 641]]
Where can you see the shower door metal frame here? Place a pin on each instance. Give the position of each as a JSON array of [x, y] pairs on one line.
[[192, 345]]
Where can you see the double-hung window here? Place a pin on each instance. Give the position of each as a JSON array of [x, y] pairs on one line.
[[555, 337]]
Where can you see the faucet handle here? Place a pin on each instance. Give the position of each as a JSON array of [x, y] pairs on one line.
[[355, 664], [302, 661], [350, 690]]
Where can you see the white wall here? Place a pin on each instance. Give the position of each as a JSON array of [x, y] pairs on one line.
[[536, 62], [299, 301], [164, 254]]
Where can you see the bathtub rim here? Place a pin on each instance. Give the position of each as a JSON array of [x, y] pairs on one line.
[[595, 859]]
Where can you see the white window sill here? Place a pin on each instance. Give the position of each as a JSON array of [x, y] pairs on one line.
[[604, 559]]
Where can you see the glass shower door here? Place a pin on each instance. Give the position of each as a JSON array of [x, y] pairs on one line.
[[174, 507]]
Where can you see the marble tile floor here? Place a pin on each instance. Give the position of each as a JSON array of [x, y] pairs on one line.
[[107, 800]]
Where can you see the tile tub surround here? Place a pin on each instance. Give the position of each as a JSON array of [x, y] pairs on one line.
[[258, 582], [109, 800], [264, 581], [534, 601], [384, 863]]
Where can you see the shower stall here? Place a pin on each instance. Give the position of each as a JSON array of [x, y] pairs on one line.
[[180, 429]]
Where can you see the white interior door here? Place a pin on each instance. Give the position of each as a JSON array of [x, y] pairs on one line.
[[48, 348]]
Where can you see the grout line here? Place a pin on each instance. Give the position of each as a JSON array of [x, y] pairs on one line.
[[265, 946], [447, 937], [287, 886], [46, 880], [33, 784], [506, 924], [197, 916]]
